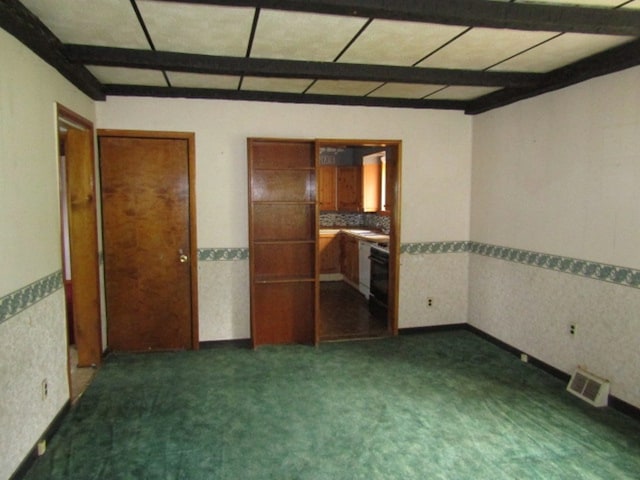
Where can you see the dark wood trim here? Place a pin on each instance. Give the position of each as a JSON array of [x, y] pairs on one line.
[[431, 329], [242, 343], [193, 254], [475, 13], [16, 19], [614, 402], [264, 67], [610, 61], [278, 97], [47, 435]]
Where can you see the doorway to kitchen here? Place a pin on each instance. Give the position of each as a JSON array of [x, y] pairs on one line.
[[358, 239]]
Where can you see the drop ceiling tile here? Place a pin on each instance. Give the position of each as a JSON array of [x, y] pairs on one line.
[[193, 28], [128, 76], [203, 80], [482, 47], [303, 36], [560, 51], [405, 90], [342, 87], [461, 93], [287, 85], [107, 22], [391, 42]]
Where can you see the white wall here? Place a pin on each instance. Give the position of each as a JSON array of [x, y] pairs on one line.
[[559, 174], [436, 168], [33, 342]]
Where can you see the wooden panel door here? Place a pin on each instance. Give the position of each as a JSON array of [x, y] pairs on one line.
[[83, 237], [149, 241], [282, 241]]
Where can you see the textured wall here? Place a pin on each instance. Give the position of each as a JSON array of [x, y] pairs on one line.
[[32, 318], [532, 308], [436, 271], [555, 184], [33, 347], [436, 173]]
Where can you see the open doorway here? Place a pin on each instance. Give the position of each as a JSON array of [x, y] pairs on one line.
[[80, 264], [358, 238]]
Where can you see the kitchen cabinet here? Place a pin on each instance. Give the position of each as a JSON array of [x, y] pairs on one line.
[[329, 250], [349, 259], [349, 189], [359, 188], [282, 241], [327, 187]]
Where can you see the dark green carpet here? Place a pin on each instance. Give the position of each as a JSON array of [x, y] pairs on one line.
[[431, 406]]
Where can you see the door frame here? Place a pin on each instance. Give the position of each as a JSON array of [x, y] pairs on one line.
[[193, 249], [84, 248], [394, 214]]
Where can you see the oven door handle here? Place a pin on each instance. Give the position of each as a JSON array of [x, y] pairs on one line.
[[378, 261]]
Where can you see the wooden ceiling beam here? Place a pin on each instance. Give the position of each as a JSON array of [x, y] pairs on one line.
[[474, 13], [182, 62], [28, 29], [611, 61], [279, 97]]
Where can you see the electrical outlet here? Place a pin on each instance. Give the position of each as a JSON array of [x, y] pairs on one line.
[[42, 447], [524, 357], [429, 302], [44, 389], [572, 329]]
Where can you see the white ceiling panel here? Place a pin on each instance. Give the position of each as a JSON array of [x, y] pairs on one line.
[[634, 4], [303, 36], [128, 76], [482, 47], [342, 87], [405, 90], [462, 93], [560, 51], [202, 29], [203, 80], [106, 23], [286, 85], [398, 43]]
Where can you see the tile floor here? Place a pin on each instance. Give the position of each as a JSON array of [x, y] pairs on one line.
[[344, 314]]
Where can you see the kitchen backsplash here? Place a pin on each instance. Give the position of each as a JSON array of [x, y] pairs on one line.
[[368, 220]]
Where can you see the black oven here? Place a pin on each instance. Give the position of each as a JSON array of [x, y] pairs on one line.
[[379, 284]]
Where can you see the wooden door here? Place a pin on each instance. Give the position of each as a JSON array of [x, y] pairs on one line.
[[149, 240], [282, 241], [83, 245]]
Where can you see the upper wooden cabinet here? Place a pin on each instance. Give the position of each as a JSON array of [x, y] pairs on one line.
[[350, 189], [327, 188], [359, 188], [282, 241]]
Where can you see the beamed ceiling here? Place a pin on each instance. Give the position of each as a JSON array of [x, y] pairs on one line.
[[470, 55]]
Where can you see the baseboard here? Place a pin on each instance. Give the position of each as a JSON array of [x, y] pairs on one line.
[[614, 402], [237, 343], [50, 431], [431, 329]]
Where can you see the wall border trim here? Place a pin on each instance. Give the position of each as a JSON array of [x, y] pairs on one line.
[[25, 297]]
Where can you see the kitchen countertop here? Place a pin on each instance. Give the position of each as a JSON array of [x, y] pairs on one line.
[[360, 233]]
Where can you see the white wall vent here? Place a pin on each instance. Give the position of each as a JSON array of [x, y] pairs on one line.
[[590, 388]]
